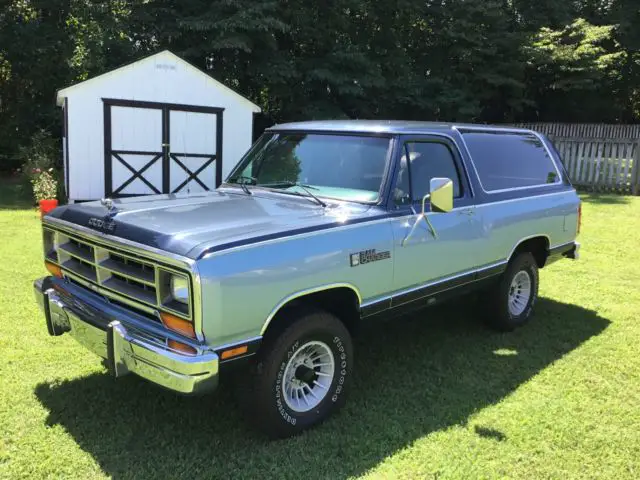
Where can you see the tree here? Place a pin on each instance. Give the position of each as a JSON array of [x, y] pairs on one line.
[[46, 45], [626, 13], [472, 60], [573, 72], [461, 60]]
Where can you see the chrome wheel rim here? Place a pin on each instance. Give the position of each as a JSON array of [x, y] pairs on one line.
[[308, 376], [519, 293]]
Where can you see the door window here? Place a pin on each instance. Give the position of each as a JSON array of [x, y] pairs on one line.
[[420, 162]]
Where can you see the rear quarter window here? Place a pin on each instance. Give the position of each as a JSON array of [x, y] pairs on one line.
[[510, 160]]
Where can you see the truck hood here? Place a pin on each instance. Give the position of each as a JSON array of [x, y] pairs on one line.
[[193, 225]]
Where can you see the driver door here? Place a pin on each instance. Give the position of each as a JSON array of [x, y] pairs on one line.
[[424, 262]]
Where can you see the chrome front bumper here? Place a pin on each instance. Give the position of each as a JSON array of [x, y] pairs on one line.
[[125, 339]]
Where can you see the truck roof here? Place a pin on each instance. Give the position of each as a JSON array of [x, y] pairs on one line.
[[386, 126]]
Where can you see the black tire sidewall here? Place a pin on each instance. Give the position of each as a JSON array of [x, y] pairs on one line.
[[271, 412], [526, 263], [333, 398]]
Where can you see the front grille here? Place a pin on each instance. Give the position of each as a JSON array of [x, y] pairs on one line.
[[121, 275]]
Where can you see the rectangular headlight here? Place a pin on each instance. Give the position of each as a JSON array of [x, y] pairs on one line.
[[179, 289], [175, 292]]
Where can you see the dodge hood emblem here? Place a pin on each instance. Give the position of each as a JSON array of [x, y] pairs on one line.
[[104, 224]]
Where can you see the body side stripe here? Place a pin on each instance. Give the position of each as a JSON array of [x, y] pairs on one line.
[[286, 235], [454, 280], [422, 292]]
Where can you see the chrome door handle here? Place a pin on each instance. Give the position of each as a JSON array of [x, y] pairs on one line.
[[467, 211]]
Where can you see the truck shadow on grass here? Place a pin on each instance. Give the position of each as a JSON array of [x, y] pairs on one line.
[[413, 377]]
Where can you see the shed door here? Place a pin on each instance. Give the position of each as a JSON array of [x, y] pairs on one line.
[[161, 148]]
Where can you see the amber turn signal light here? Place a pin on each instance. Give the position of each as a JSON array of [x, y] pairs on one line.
[[53, 269], [178, 325], [181, 347], [579, 217], [234, 352]]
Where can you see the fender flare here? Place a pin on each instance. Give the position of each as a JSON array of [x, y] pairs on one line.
[[308, 291]]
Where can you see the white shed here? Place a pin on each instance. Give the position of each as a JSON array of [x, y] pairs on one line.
[[158, 125]]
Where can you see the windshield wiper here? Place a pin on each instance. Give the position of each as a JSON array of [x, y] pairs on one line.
[[245, 181], [288, 183]]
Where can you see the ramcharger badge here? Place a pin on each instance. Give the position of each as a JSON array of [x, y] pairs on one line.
[[368, 256]]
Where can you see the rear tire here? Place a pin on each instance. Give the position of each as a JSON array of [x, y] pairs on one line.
[[300, 376], [511, 301]]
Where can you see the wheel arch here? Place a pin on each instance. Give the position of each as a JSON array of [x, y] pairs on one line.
[[341, 299], [538, 245]]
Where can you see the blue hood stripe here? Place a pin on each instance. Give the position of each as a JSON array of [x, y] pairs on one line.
[[195, 253]]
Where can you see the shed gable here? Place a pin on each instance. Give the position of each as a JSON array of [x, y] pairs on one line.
[[153, 75]]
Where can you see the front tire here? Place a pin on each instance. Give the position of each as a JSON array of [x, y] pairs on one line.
[[512, 300], [300, 376]]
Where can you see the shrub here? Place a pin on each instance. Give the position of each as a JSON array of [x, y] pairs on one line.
[[40, 155], [38, 171], [45, 186]]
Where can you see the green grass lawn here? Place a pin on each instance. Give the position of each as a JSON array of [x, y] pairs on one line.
[[435, 396]]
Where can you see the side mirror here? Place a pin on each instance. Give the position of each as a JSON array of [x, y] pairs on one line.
[[441, 195]]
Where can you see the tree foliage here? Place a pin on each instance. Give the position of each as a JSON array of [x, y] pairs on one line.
[[459, 60], [576, 64]]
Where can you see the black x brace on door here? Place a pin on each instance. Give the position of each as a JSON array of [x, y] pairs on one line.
[[163, 153]]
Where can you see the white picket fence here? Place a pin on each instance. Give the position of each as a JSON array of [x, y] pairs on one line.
[[603, 165], [586, 130]]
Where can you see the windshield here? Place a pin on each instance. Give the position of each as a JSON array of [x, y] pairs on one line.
[[344, 167]]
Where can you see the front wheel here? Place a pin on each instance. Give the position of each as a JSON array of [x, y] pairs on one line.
[[512, 300], [301, 376]]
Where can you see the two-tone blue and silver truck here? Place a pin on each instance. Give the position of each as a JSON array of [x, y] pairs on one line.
[[320, 227]]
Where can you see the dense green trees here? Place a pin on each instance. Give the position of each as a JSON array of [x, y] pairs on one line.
[[462, 60], [46, 45]]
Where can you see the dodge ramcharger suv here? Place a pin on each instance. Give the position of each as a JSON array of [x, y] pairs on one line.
[[320, 227]]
